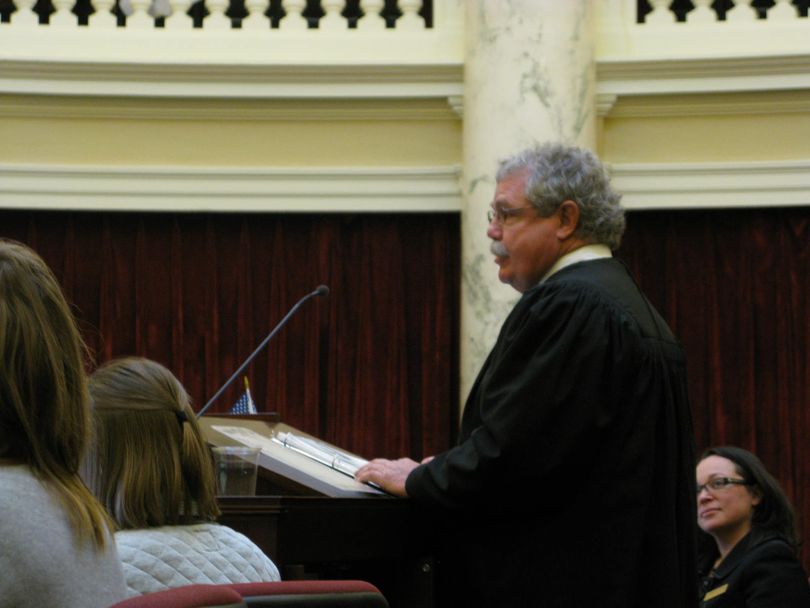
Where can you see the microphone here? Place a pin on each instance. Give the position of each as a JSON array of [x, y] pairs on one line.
[[321, 290]]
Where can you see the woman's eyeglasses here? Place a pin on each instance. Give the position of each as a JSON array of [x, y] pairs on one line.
[[721, 483]]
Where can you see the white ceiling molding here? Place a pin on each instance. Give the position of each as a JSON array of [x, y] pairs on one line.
[[219, 80], [456, 103], [702, 75], [712, 185], [163, 108], [114, 188], [347, 190], [605, 103], [720, 104]]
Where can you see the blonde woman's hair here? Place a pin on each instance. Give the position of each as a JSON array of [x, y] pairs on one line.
[[44, 415], [148, 463]]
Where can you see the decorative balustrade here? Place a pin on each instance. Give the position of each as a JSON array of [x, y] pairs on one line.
[[380, 48], [335, 15], [233, 48], [291, 15], [712, 11], [651, 47], [683, 28]]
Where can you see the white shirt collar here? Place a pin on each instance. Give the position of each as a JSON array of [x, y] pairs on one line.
[[583, 254]]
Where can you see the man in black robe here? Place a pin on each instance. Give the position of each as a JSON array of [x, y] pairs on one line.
[[573, 482]]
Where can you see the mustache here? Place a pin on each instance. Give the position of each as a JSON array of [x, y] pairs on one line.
[[497, 248]]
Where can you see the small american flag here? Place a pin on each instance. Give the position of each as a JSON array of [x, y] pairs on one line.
[[244, 405]]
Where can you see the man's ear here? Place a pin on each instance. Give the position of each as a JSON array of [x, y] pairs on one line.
[[568, 214]]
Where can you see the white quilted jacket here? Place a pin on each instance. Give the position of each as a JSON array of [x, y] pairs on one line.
[[172, 556]]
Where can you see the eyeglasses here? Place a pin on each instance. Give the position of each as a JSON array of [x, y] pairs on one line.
[[721, 483], [505, 216]]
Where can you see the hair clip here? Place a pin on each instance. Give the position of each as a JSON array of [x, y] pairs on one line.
[[181, 417]]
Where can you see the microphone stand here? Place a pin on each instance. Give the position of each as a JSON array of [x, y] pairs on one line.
[[322, 290]]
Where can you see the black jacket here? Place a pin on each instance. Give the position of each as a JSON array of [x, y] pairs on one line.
[[761, 571]]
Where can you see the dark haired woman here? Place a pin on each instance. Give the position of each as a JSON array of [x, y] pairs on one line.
[[748, 554]]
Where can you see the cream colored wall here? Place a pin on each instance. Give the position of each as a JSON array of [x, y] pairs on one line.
[[708, 128], [289, 133], [228, 133]]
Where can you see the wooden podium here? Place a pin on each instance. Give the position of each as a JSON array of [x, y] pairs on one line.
[[291, 470], [315, 522]]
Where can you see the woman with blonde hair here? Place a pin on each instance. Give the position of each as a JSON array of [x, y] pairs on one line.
[[150, 466], [56, 546]]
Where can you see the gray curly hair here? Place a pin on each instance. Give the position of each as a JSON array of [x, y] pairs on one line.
[[557, 173]]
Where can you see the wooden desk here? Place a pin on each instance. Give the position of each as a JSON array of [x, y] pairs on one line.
[[312, 529], [380, 540]]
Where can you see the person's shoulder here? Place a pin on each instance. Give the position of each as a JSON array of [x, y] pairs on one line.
[[202, 534], [229, 536], [772, 570], [15, 482], [211, 538], [20, 490], [596, 276], [768, 556], [253, 556], [149, 539], [596, 270], [589, 285], [770, 546], [16, 474]]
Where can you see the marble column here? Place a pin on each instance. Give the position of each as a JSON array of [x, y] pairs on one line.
[[529, 78]]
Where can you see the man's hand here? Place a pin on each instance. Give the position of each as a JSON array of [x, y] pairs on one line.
[[390, 475]]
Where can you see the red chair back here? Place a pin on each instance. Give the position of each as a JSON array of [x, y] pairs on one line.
[[189, 596], [311, 594]]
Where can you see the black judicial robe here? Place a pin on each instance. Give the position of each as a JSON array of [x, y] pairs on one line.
[[573, 482]]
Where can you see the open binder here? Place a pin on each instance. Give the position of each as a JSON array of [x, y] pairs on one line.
[[291, 454]]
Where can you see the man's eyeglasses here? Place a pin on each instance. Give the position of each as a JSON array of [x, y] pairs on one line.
[[504, 216], [721, 483]]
